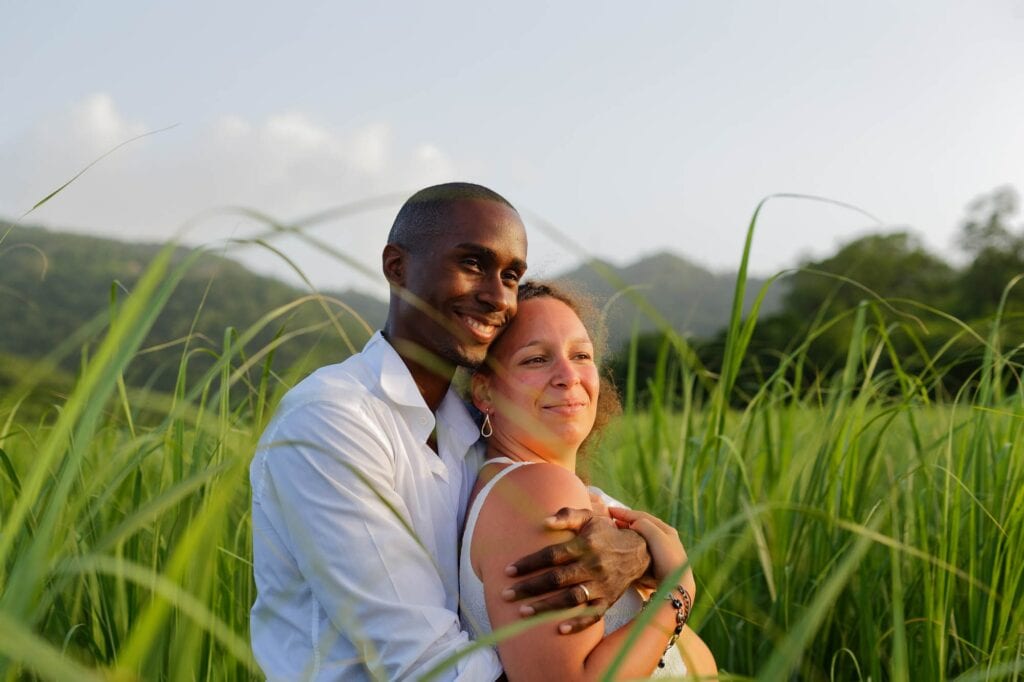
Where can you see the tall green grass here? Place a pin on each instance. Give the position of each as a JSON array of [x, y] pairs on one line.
[[852, 531]]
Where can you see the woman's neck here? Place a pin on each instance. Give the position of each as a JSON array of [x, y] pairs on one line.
[[519, 452]]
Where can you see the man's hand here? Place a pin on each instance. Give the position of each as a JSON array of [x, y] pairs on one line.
[[603, 558]]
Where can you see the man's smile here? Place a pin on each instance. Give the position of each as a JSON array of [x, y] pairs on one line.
[[482, 330]]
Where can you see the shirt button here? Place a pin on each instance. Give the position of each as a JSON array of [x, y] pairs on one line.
[[424, 420]]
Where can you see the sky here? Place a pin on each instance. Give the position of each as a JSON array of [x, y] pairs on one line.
[[617, 130]]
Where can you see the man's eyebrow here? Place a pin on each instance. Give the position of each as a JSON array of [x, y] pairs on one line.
[[517, 263]]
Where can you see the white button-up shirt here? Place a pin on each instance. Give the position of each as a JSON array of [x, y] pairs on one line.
[[356, 523]]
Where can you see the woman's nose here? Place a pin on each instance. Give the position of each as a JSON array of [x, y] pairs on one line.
[[564, 373]]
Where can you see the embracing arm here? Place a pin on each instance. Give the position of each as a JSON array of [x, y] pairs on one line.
[[511, 524], [329, 477], [610, 560]]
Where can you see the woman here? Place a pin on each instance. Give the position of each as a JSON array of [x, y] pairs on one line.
[[540, 393]]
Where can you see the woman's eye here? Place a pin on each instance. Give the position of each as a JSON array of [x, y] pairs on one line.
[[535, 360]]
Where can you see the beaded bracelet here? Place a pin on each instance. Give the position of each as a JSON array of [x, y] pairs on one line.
[[682, 605]]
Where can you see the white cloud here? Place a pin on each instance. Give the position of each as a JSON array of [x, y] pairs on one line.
[[371, 147], [288, 165], [295, 129], [97, 121]]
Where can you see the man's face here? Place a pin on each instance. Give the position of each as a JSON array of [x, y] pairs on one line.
[[466, 281]]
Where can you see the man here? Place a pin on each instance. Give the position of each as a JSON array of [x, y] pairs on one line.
[[361, 479]]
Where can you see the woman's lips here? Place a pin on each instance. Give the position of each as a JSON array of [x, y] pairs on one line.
[[566, 408]]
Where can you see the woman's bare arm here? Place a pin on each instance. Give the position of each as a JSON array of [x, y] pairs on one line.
[[510, 525]]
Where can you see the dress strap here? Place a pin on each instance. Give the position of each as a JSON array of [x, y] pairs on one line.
[[500, 459], [478, 502]]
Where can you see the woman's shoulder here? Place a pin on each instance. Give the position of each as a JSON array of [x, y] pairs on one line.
[[510, 523], [539, 489]]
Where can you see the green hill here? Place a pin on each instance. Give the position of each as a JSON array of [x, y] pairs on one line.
[[52, 283]]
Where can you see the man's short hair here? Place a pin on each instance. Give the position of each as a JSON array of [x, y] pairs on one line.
[[422, 217]]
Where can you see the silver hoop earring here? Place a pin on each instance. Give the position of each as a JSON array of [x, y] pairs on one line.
[[486, 430]]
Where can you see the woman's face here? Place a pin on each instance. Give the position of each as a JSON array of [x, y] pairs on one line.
[[542, 392]]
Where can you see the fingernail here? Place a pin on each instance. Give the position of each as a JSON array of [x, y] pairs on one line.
[[551, 520], [526, 611], [508, 594], [511, 569], [565, 628]]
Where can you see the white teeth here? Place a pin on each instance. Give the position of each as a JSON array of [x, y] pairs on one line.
[[479, 326]]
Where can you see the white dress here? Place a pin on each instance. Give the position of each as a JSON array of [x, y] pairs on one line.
[[473, 608]]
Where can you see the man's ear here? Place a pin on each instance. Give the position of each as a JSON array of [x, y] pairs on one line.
[[393, 264], [481, 389]]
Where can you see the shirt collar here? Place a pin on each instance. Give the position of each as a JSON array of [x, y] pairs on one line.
[[398, 386], [395, 379], [462, 429]]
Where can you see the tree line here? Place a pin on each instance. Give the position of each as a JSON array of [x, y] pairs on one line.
[[925, 320], [57, 289]]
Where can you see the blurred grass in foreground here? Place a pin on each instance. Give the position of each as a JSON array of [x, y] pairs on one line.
[[855, 531]]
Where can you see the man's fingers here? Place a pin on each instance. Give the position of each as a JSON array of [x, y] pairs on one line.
[[557, 578], [568, 519], [577, 624], [566, 599], [552, 555]]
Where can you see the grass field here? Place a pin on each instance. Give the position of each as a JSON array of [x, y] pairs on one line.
[[857, 531]]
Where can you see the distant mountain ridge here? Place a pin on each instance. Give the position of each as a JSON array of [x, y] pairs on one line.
[[42, 305], [52, 283], [690, 298]]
